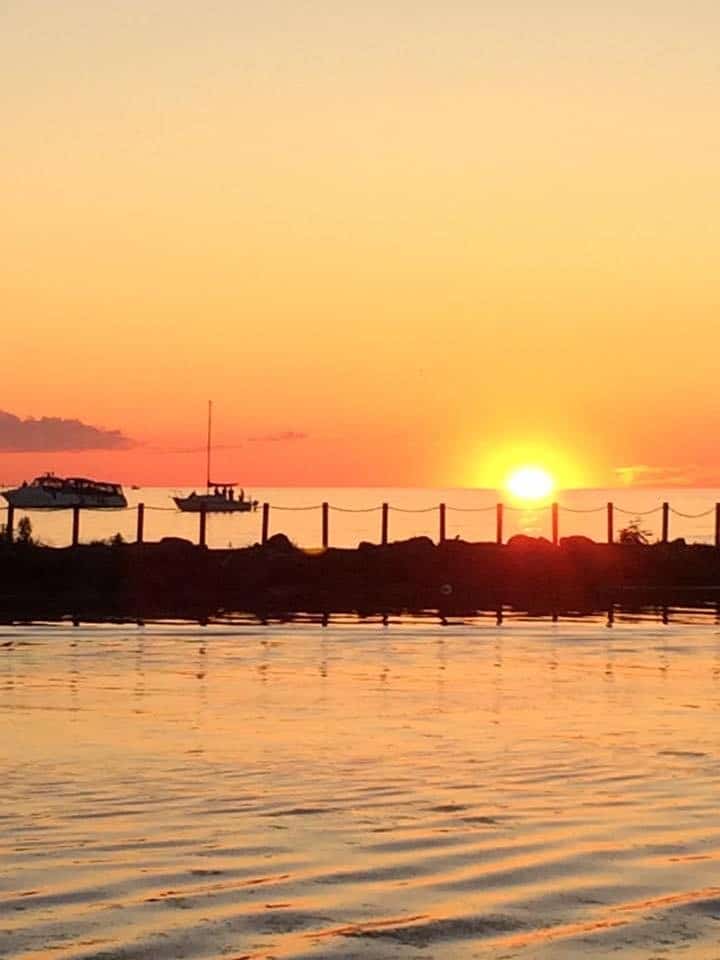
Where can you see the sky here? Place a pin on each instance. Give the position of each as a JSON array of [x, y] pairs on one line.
[[395, 243]]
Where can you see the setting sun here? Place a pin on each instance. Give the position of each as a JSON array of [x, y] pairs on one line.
[[530, 483]]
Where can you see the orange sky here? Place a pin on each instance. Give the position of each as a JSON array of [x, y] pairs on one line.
[[394, 246]]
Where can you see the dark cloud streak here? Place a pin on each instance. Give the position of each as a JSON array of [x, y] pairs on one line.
[[53, 434], [285, 436]]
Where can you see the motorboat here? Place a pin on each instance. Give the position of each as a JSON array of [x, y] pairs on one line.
[[49, 492], [218, 497]]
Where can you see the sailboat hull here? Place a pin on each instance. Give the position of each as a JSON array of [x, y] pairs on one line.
[[210, 503]]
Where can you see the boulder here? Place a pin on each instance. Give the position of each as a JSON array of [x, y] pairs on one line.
[[279, 543]]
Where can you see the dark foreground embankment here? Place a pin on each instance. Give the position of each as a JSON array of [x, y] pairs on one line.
[[174, 579]]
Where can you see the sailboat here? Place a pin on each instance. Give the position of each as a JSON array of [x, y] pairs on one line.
[[218, 497]]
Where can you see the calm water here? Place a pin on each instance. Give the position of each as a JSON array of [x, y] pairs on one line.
[[412, 791], [356, 515]]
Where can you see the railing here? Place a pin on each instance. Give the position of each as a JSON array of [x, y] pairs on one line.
[[610, 509]]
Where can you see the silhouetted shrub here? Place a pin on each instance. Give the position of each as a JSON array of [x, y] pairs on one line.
[[24, 531], [633, 533]]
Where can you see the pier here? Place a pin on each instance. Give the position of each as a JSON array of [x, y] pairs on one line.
[[562, 520], [176, 579]]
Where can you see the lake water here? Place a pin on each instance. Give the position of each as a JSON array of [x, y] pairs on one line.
[[409, 791], [355, 515]]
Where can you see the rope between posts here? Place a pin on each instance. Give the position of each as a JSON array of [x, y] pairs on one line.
[[355, 509], [692, 516], [413, 509], [528, 509], [639, 513], [471, 509], [314, 507], [160, 509], [583, 509]]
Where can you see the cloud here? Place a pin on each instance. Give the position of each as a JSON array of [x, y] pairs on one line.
[[55, 434], [645, 475], [283, 437], [193, 450]]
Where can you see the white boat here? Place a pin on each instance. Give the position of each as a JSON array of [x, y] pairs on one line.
[[49, 492], [218, 497]]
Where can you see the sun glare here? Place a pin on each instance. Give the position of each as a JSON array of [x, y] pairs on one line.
[[530, 483]]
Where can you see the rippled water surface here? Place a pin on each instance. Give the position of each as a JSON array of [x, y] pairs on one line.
[[405, 791]]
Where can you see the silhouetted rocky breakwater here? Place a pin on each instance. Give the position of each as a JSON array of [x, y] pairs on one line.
[[175, 579]]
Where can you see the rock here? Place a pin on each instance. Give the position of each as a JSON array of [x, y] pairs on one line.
[[179, 543], [414, 545], [523, 542], [280, 543], [577, 543]]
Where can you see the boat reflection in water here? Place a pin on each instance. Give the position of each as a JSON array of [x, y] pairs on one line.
[[49, 492]]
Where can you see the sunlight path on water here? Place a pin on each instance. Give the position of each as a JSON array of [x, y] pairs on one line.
[[535, 790]]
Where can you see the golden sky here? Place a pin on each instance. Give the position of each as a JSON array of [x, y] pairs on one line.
[[395, 243]]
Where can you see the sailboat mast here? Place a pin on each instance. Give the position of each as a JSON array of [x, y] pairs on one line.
[[209, 438]]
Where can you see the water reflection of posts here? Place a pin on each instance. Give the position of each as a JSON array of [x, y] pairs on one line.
[[139, 685], [609, 665], [497, 681]]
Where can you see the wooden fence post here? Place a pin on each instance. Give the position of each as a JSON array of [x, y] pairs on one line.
[[717, 524], [140, 522], [665, 522], [265, 522], [76, 526], [442, 523], [325, 525], [499, 510], [202, 539], [9, 528], [555, 525], [384, 525], [610, 523]]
